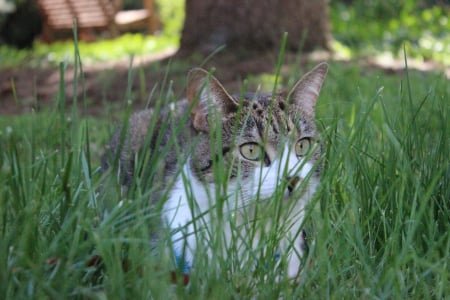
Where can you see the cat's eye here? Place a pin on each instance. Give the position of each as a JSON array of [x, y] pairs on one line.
[[252, 151], [302, 146]]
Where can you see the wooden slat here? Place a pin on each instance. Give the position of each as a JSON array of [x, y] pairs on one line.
[[60, 14]]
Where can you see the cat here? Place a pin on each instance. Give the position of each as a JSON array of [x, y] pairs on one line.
[[267, 147]]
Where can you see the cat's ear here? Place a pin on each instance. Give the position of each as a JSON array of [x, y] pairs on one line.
[[209, 96], [305, 92]]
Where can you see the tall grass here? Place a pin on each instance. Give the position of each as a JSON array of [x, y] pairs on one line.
[[385, 194], [378, 226]]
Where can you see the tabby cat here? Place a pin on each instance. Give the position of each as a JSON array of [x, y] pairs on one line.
[[222, 156]]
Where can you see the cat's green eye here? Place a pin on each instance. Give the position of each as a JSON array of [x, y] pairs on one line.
[[302, 146], [252, 151]]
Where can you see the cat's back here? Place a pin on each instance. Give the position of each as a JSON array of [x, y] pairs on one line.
[[150, 129]]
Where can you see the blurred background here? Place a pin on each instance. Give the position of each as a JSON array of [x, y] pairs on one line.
[[36, 35]]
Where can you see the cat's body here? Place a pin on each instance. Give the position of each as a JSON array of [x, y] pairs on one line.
[[229, 157]]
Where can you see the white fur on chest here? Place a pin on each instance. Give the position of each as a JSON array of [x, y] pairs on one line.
[[187, 203]]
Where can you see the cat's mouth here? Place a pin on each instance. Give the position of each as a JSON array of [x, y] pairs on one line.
[[296, 188], [292, 183], [290, 189]]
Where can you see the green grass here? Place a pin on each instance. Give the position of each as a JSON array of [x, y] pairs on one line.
[[378, 227], [369, 27], [44, 55]]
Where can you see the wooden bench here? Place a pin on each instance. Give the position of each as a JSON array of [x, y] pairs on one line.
[[59, 15]]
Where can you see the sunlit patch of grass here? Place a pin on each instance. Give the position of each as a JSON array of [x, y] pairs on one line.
[[121, 47], [373, 27]]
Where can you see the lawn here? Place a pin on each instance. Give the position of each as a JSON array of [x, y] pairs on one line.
[[378, 227]]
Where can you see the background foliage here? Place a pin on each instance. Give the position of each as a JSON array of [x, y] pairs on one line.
[[374, 26], [359, 28]]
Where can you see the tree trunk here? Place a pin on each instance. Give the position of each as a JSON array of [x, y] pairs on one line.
[[254, 25]]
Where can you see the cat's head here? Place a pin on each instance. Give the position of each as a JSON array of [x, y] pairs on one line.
[[262, 141]]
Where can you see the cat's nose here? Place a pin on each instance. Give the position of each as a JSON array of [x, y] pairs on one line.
[[292, 182]]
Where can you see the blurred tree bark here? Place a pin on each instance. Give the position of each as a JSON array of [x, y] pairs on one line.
[[254, 25]]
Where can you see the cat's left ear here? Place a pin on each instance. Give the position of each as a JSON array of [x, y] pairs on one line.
[[305, 92], [209, 96]]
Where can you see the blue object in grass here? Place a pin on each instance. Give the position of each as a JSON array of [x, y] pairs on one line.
[[181, 263]]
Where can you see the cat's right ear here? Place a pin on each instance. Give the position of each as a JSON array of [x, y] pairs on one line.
[[208, 97], [305, 92]]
